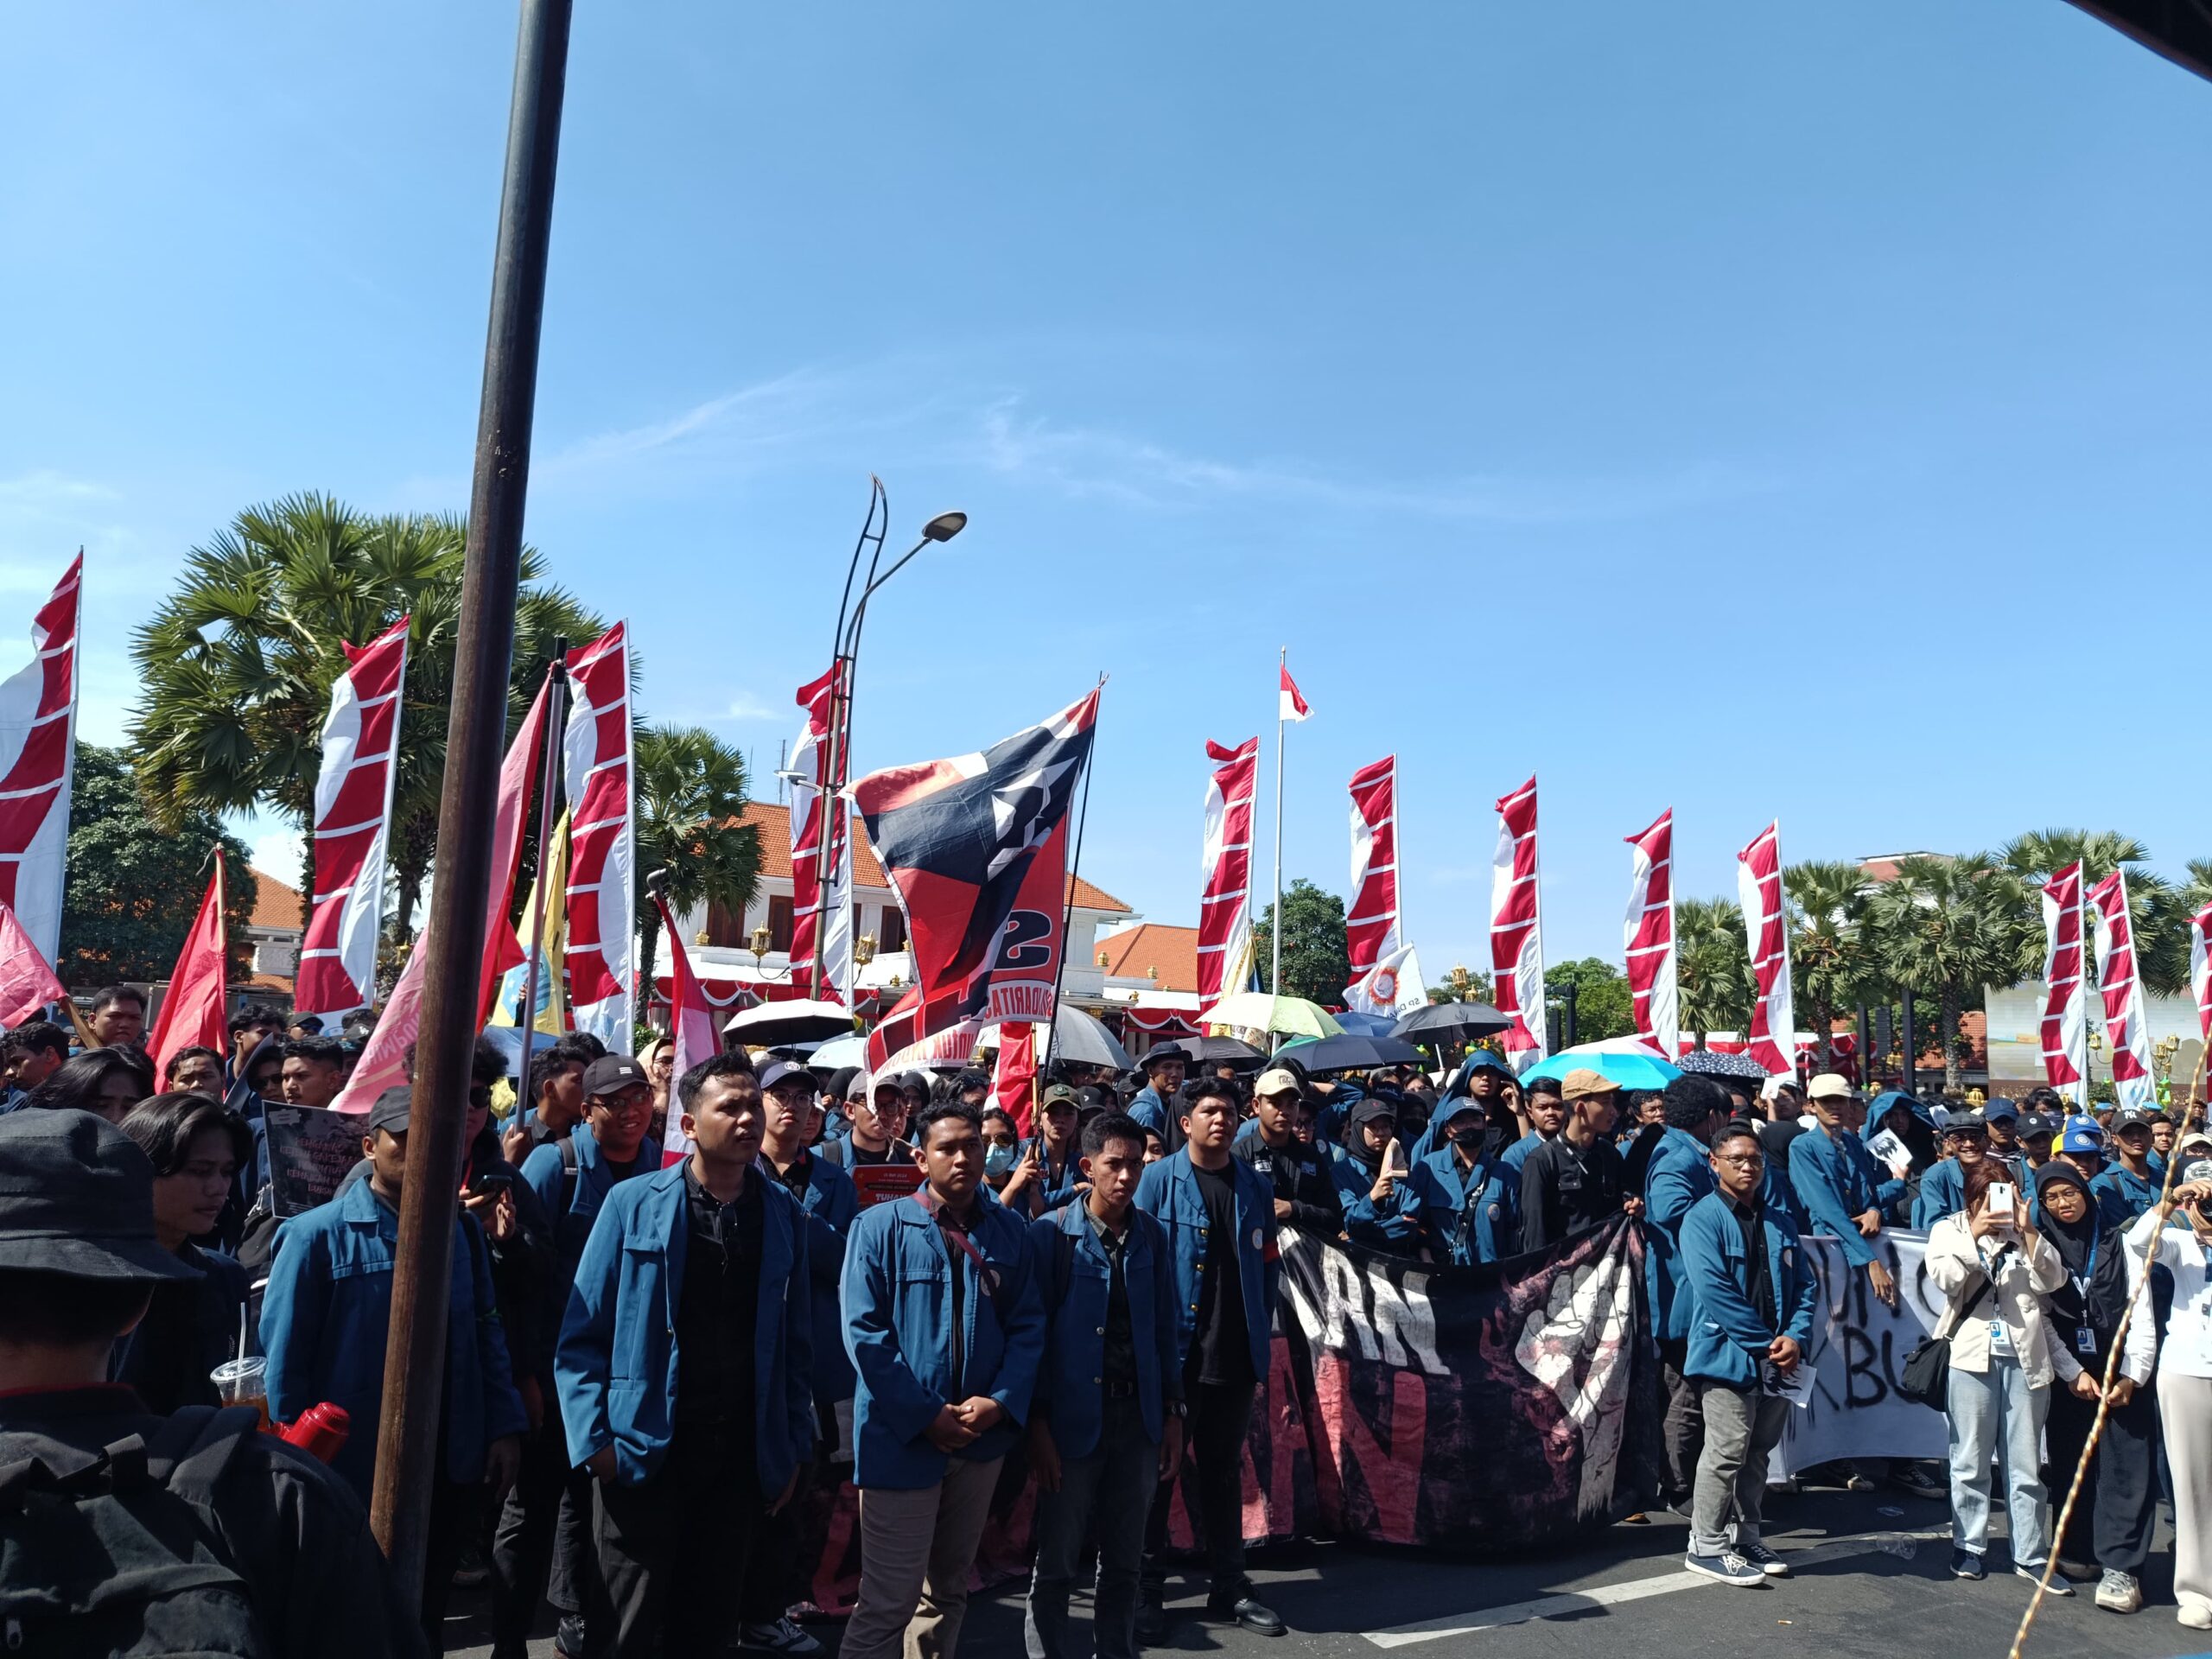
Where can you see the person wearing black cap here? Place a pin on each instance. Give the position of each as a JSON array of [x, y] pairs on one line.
[[1164, 1063], [79, 1259], [1381, 1204], [2128, 1186], [1943, 1189], [326, 1320]]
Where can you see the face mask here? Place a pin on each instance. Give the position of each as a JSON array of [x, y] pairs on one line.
[[1465, 1134], [998, 1159]]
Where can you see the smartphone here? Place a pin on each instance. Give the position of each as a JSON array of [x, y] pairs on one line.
[[489, 1181], [2001, 1199]]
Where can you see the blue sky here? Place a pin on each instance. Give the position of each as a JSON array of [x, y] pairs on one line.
[[1757, 410]]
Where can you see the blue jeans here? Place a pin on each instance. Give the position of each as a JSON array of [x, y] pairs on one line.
[[1997, 1410], [1109, 1493]]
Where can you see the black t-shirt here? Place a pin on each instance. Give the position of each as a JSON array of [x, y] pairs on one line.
[[1566, 1189], [1221, 1348], [718, 1309]]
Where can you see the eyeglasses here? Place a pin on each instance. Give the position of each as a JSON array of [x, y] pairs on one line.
[[1740, 1159]]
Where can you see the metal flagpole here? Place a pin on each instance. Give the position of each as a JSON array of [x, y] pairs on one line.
[[1274, 933], [407, 1443], [1067, 906], [549, 790]]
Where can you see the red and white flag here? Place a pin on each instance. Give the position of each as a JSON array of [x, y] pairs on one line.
[[352, 825], [1291, 705], [1391, 988], [1647, 932], [602, 942], [691, 1024], [1516, 934], [38, 750], [2127, 1039], [2065, 1024], [1226, 901], [27, 979], [1371, 918], [812, 903], [383, 1062], [1766, 927], [192, 1010], [1013, 1087], [2200, 969]]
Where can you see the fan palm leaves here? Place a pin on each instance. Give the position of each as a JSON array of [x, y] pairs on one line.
[[1828, 964], [1712, 966], [1946, 927], [2158, 909]]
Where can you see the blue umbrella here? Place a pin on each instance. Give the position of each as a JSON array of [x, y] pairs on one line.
[[1630, 1069]]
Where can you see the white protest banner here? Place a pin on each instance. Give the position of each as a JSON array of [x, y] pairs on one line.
[[1853, 1408]]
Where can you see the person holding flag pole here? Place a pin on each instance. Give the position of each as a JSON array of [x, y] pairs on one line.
[[1289, 706]]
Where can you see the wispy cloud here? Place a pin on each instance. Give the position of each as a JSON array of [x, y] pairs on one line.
[[745, 706]]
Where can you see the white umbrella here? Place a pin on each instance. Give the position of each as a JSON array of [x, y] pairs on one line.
[[802, 1021], [840, 1050]]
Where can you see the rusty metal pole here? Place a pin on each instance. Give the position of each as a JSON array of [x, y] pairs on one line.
[[407, 1448]]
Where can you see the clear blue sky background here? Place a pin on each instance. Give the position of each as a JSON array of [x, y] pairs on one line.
[[1758, 410]]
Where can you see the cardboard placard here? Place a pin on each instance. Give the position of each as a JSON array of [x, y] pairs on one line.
[[310, 1150]]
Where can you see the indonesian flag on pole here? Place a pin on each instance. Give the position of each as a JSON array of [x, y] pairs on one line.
[[691, 1021], [192, 1010], [602, 843], [1648, 933], [2200, 969], [1292, 705], [38, 750], [27, 979], [1759, 888], [1371, 920], [1516, 934], [1014, 1088], [1225, 903], [2121, 986], [810, 765], [353, 822], [384, 1061], [2065, 1023], [1392, 987]]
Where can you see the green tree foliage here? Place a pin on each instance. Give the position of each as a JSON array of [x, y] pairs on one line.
[[1712, 966], [1476, 989], [690, 791], [1603, 1007], [1316, 960], [1830, 969], [1945, 928], [133, 887], [2160, 911]]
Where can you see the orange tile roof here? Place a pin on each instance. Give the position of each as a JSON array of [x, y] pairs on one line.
[[1135, 952], [276, 906], [773, 822]]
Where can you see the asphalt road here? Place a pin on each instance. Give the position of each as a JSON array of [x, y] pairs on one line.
[[1874, 1581]]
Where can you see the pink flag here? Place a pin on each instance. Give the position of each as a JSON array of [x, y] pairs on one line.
[[27, 981], [383, 1062], [1517, 935], [38, 746], [191, 1011], [1291, 705], [1013, 1089], [1371, 918], [2065, 1024], [1648, 933], [813, 903], [2200, 969], [1226, 901], [2125, 1038], [692, 1023], [352, 824], [1772, 1040], [602, 944]]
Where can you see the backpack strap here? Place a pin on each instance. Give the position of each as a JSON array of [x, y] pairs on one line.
[[569, 1166], [191, 1452]]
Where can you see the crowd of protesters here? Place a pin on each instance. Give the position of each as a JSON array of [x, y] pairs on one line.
[[890, 1279]]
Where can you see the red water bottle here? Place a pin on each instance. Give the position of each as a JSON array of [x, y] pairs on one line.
[[320, 1431]]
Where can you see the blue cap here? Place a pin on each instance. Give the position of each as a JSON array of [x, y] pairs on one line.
[[2082, 1134], [2000, 1110]]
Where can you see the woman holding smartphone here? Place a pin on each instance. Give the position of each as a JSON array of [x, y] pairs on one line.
[[1994, 1270]]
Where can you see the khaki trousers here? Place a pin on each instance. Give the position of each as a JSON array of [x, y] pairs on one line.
[[916, 1549]]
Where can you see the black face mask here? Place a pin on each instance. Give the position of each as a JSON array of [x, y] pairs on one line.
[[1466, 1132]]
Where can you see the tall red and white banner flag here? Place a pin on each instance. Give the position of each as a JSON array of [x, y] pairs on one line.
[[352, 826], [1772, 1040], [2127, 1039], [602, 943], [27, 979], [38, 750], [193, 1008], [2065, 1024], [812, 903], [1371, 918], [1647, 932], [2200, 969], [1516, 934], [691, 1023], [1013, 1087], [1225, 902], [384, 1061]]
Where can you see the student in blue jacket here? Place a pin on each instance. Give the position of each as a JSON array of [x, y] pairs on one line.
[[1450, 1182], [1943, 1188], [1164, 1064], [572, 1175], [1547, 1109], [1828, 1170], [1219, 1215], [1678, 1174], [945, 1327], [2127, 1187], [326, 1320], [1751, 1296], [683, 1369], [1106, 1422], [1374, 1185]]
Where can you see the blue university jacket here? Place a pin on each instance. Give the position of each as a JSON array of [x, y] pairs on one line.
[[2122, 1196], [1454, 1221], [326, 1320], [898, 1301], [1073, 1277], [1942, 1192], [1169, 1193], [1394, 1224], [1833, 1185], [1680, 1174], [616, 1364], [1502, 1202], [1888, 1188], [543, 1173], [1727, 1338], [1147, 1107], [830, 1203]]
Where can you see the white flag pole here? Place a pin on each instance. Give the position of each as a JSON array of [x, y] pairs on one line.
[[1274, 933]]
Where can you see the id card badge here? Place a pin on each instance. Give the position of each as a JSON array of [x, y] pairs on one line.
[[2085, 1340]]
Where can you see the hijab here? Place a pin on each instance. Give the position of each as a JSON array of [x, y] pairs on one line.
[[1363, 1113], [2081, 1251]]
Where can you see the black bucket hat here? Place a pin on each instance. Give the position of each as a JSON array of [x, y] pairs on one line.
[[77, 1197]]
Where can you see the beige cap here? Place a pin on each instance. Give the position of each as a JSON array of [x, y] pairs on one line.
[[1582, 1083], [1830, 1085], [1280, 1081]]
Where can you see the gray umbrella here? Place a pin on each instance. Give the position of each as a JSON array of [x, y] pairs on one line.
[[1078, 1038], [1705, 1062], [1450, 1022]]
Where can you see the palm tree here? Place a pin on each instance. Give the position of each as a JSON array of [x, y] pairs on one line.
[[1947, 928], [690, 794], [2160, 911], [1712, 966], [236, 665], [1827, 959]]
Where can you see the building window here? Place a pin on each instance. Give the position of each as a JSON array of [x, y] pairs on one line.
[[891, 929], [779, 923], [726, 927]]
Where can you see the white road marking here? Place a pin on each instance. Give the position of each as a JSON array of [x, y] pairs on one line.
[[1902, 1544]]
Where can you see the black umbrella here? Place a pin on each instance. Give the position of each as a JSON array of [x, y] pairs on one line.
[[1350, 1053], [1705, 1062], [1212, 1051], [1450, 1022]]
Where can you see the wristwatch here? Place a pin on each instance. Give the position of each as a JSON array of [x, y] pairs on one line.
[[1178, 1407]]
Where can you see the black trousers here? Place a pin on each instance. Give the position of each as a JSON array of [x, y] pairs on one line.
[[456, 1515], [1684, 1428], [1219, 1416], [2113, 1517], [673, 1549], [546, 1523]]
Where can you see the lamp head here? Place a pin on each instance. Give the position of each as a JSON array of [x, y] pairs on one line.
[[945, 526]]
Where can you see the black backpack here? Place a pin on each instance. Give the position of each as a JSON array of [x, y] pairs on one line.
[[124, 1555]]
